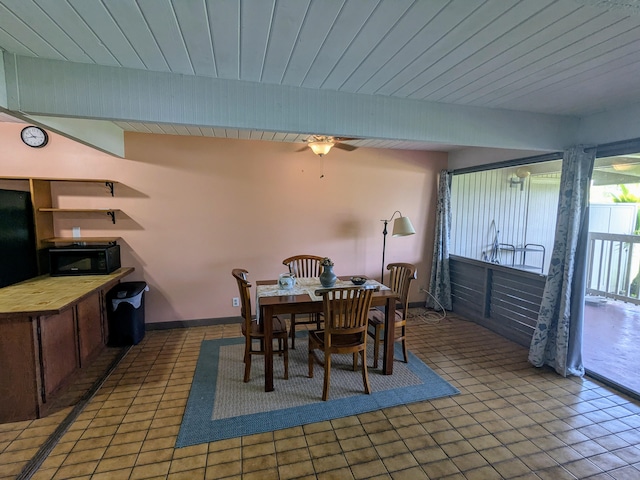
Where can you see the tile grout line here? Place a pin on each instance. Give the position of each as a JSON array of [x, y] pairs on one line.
[[32, 466]]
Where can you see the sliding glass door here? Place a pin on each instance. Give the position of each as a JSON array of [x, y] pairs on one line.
[[611, 345]]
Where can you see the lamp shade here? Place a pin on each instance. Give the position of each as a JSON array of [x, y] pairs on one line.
[[320, 148], [402, 227]]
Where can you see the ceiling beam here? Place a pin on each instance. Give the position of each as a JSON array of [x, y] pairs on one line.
[[64, 89]]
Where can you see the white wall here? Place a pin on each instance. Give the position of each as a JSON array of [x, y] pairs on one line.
[[613, 218]]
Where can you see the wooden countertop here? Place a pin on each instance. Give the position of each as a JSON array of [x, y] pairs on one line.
[[46, 295]]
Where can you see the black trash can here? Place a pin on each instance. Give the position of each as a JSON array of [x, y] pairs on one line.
[[125, 312]]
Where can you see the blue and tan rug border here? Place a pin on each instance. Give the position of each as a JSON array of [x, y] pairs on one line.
[[198, 427]]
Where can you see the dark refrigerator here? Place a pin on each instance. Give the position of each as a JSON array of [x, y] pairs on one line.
[[17, 238]]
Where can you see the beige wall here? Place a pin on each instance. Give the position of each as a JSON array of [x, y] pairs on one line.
[[195, 207]]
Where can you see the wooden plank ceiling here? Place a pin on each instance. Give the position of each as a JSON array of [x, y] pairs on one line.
[[562, 57]]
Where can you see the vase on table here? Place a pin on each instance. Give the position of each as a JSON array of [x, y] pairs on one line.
[[327, 277]]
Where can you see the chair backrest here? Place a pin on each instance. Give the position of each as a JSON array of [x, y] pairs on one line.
[[244, 288], [401, 276], [304, 266], [346, 309]]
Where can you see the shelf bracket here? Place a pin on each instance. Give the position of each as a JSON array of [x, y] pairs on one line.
[[112, 214], [110, 187]]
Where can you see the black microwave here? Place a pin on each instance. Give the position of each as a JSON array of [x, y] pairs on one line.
[[84, 260]]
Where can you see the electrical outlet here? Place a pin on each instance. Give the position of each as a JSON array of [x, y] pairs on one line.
[[235, 301]]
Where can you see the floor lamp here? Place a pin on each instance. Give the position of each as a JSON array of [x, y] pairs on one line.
[[401, 227]]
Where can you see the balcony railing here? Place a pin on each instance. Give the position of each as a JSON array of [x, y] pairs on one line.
[[614, 266]]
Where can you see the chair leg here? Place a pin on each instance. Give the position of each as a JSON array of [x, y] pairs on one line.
[[247, 367], [293, 331], [404, 351], [327, 376], [286, 358], [310, 360], [376, 346], [404, 346], [365, 373]]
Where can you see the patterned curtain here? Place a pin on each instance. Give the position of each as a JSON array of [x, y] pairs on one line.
[[440, 282], [557, 339]]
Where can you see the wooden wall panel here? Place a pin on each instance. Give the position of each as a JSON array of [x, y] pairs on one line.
[[59, 349], [19, 376], [90, 327]]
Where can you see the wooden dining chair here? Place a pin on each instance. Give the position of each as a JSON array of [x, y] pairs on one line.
[[304, 266], [345, 330], [402, 274], [253, 331]]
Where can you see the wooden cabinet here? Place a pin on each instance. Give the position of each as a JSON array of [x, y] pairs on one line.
[[39, 355], [50, 328]]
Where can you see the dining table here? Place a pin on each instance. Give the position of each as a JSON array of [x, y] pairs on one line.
[[301, 299]]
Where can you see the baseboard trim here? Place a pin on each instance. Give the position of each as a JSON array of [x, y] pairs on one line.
[[203, 322], [417, 305]]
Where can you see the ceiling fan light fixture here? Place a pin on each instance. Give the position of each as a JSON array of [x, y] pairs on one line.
[[320, 147]]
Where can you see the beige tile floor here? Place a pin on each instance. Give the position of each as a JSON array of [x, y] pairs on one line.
[[510, 421]]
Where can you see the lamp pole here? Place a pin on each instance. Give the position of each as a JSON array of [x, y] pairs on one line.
[[401, 227], [384, 246]]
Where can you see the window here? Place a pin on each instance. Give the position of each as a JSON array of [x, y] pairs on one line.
[[506, 215]]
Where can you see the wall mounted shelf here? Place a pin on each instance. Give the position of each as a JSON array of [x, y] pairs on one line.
[[110, 184], [81, 240], [109, 211]]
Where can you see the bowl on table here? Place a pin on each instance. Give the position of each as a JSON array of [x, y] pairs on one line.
[[358, 280]]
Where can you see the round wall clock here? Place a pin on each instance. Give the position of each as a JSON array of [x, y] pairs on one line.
[[34, 136]]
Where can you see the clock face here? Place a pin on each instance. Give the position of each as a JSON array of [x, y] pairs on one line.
[[34, 136]]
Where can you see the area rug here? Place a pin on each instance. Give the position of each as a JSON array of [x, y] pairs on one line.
[[222, 406]]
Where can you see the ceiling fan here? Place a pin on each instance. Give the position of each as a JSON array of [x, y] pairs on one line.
[[322, 144]]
